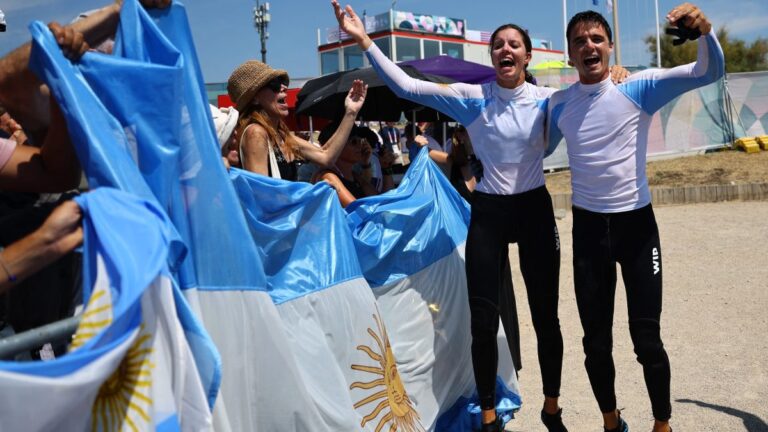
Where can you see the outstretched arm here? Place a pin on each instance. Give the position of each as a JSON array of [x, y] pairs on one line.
[[460, 101], [333, 180], [20, 91], [51, 168], [26, 98], [351, 24], [58, 235], [654, 88], [326, 155], [102, 23]]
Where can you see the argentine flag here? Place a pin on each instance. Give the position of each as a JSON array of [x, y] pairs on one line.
[[129, 366], [410, 243], [334, 331], [139, 122]]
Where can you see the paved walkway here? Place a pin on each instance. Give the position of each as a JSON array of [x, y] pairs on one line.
[[714, 325]]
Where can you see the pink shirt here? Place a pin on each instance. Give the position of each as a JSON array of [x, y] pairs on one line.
[[6, 150]]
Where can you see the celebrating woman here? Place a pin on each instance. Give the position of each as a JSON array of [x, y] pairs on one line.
[[266, 146]]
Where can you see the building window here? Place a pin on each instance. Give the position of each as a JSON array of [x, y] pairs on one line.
[[353, 57], [431, 48], [407, 49], [329, 62], [383, 44], [454, 50]]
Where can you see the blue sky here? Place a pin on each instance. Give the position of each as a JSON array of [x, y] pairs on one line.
[[225, 36]]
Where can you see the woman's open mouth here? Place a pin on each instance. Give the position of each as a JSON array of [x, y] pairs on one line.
[[507, 62]]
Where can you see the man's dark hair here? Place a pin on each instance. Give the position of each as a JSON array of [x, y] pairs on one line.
[[590, 17]]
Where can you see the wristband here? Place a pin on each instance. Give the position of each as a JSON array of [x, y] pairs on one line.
[[387, 171]]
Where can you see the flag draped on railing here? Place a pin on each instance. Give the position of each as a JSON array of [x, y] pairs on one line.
[[410, 243], [118, 111], [336, 333], [129, 363]]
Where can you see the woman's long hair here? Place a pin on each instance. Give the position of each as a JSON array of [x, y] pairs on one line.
[[254, 114]]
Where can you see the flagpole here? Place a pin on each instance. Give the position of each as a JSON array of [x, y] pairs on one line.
[[616, 44], [565, 35], [658, 37]]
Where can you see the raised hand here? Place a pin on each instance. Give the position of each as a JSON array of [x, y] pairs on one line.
[[689, 15], [356, 97], [72, 42], [351, 24]]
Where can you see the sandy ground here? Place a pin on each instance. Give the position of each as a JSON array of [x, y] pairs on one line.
[[714, 326], [724, 167]]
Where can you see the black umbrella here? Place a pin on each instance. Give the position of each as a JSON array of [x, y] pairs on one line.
[[324, 97]]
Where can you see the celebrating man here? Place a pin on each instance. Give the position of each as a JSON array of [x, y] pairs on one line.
[[606, 130]]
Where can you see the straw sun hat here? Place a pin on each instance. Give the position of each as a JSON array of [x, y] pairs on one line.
[[248, 79]]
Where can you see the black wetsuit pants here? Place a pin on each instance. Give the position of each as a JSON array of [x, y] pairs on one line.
[[528, 220], [631, 239]]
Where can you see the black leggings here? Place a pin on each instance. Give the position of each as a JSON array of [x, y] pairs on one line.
[[600, 240], [528, 220]]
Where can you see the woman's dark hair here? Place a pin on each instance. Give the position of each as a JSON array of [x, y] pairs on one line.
[[526, 41], [590, 17]]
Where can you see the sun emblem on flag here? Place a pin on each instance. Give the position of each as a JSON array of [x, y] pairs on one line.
[[124, 401], [395, 403], [97, 316]]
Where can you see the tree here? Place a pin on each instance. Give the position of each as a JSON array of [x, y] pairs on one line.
[[739, 56]]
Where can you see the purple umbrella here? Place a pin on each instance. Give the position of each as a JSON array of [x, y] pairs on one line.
[[458, 70]]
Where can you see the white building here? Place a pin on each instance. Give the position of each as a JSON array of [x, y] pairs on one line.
[[405, 36]]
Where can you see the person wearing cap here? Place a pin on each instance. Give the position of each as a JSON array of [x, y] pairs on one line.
[[225, 123], [351, 176], [266, 144]]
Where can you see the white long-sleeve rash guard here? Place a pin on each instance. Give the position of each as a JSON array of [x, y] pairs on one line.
[[606, 128], [506, 126]]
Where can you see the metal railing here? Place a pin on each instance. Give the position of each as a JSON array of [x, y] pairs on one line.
[[55, 332]]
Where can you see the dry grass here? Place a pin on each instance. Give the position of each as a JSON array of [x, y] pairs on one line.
[[724, 167]]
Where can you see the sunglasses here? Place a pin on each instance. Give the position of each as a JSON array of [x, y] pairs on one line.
[[277, 84]]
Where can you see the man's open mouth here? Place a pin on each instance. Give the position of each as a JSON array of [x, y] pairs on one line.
[[591, 60]]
